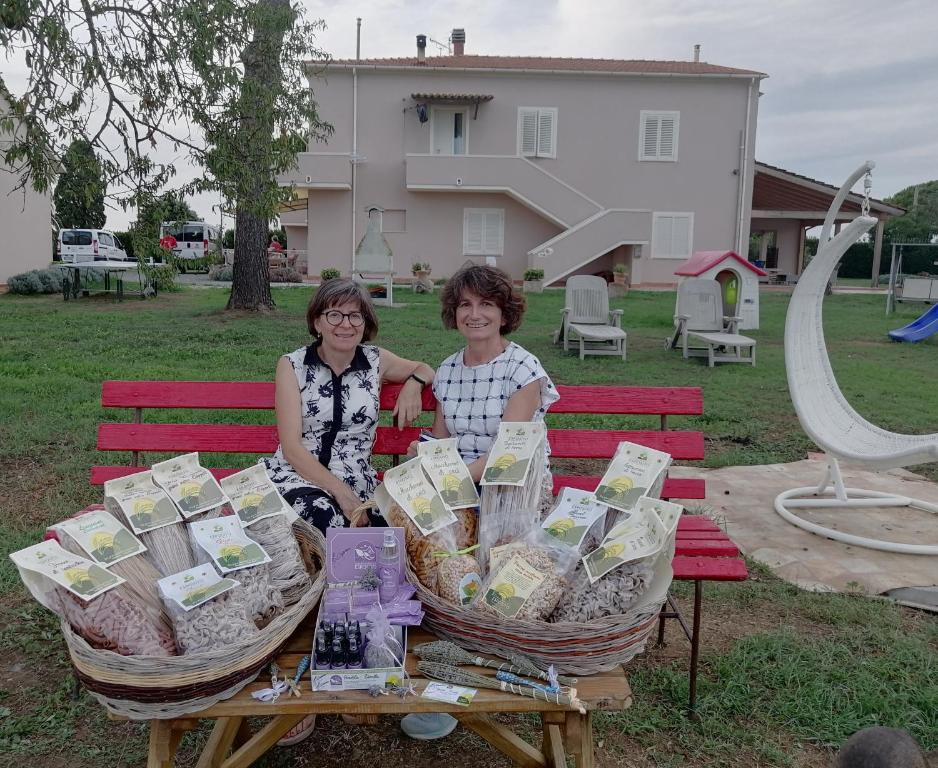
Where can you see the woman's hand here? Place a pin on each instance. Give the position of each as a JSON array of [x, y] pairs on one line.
[[412, 449], [409, 404], [348, 502]]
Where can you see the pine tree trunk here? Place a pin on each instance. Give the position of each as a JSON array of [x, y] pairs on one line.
[[250, 283]]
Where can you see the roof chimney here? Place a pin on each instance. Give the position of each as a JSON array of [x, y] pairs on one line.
[[459, 41], [697, 53], [421, 47]]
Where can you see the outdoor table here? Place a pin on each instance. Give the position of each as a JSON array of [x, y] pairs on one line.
[[71, 277], [564, 731]]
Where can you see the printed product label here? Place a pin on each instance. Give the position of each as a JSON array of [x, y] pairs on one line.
[[448, 473], [469, 587], [102, 537], [352, 680], [517, 444], [191, 487], [226, 543], [574, 515], [449, 693], [498, 556], [144, 503], [253, 495], [667, 513], [631, 473], [512, 586], [189, 589], [409, 487], [641, 535], [79, 576]]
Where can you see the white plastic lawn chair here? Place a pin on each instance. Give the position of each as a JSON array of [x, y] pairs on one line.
[[824, 412], [587, 319], [701, 328]]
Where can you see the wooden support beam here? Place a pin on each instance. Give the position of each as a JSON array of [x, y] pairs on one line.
[[261, 741], [579, 732], [220, 741], [504, 740], [553, 746]]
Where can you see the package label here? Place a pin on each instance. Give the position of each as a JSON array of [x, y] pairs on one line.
[[512, 586], [499, 555], [409, 487], [80, 576], [105, 540], [189, 589], [448, 473], [253, 495], [574, 515], [517, 445], [224, 540], [145, 505], [668, 513], [640, 535], [632, 471], [449, 693], [190, 485]]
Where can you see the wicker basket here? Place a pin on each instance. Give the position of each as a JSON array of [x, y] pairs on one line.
[[147, 687]]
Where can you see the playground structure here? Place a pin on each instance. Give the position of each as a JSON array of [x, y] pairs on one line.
[[738, 279], [824, 413], [919, 329]]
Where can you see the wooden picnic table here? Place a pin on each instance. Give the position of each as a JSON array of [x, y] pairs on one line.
[[232, 744]]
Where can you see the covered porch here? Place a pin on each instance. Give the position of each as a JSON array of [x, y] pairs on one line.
[[786, 205]]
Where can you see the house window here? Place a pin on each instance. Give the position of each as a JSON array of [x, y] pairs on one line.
[[537, 131], [483, 232], [672, 235], [448, 131], [658, 135]]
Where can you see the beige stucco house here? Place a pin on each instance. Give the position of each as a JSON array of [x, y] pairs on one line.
[[25, 221], [569, 165]]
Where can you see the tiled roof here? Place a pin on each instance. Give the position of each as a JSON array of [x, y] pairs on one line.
[[454, 97], [550, 64]]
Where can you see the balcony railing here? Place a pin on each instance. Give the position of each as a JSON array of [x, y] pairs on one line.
[[319, 170]]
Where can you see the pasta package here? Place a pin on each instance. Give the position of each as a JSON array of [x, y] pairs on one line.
[[192, 488], [208, 610], [222, 542]]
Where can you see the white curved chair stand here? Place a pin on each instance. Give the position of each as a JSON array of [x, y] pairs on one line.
[[824, 412]]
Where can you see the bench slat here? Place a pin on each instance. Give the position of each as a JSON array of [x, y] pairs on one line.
[[253, 438], [706, 547], [701, 535], [697, 523], [672, 401], [674, 487], [709, 568]]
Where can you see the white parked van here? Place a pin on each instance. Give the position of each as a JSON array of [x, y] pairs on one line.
[[82, 245], [194, 239]]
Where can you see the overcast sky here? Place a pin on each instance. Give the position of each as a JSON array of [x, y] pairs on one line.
[[848, 80]]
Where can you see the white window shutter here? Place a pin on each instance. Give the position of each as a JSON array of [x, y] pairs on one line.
[[650, 137], [527, 132], [473, 233], [663, 235], [545, 132], [666, 138], [493, 236], [680, 236]]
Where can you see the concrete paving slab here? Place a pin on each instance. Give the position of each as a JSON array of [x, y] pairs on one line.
[[743, 498]]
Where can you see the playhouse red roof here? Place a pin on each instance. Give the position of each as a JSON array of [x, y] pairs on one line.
[[701, 261]]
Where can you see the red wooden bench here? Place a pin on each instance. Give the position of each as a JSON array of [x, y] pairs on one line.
[[703, 552]]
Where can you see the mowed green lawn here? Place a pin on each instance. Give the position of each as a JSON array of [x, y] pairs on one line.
[[54, 356]]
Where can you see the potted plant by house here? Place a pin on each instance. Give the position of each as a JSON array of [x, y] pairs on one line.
[[534, 281], [421, 270], [329, 273], [620, 274]]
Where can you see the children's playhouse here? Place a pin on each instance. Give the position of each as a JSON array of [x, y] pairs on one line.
[[738, 279]]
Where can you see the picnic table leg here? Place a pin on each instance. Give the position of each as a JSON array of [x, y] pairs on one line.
[[504, 740], [553, 747], [165, 736], [579, 730], [261, 741], [224, 734], [695, 650]]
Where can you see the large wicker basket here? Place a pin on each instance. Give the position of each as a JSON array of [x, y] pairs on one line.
[[147, 687]]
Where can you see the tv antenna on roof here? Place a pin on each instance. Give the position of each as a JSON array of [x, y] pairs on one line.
[[446, 48]]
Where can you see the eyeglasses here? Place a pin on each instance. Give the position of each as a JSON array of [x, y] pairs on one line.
[[335, 318]]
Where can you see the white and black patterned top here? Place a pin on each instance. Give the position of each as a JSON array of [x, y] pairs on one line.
[[340, 414], [474, 397]]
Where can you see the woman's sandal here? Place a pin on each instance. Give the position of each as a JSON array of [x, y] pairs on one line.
[[302, 730]]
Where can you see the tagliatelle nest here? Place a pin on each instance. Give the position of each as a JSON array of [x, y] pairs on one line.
[[421, 549]]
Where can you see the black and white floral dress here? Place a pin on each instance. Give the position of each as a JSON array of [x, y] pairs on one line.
[[340, 415]]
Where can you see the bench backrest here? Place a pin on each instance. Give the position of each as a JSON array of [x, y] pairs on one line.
[[139, 437]]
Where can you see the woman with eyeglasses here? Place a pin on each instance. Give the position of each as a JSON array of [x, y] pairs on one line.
[[327, 408]]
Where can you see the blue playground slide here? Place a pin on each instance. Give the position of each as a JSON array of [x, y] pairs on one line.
[[918, 329]]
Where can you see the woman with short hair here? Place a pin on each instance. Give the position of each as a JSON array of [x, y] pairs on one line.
[[327, 401]]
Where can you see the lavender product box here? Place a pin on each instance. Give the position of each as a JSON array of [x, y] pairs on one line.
[[350, 551]]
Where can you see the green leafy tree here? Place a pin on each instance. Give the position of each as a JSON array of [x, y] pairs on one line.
[[79, 193], [920, 223], [228, 239], [153, 211], [220, 85]]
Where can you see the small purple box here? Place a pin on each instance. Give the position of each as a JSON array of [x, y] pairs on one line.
[[352, 550]]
